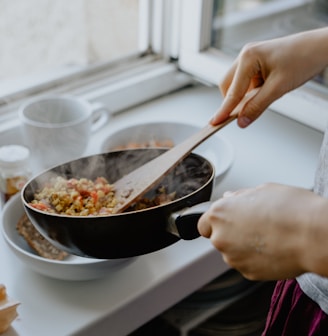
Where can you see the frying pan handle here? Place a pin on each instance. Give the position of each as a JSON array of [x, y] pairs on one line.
[[185, 223]]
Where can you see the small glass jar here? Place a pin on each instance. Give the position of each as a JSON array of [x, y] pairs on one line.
[[14, 170]]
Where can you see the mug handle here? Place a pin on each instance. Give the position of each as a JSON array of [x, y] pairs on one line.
[[100, 115]]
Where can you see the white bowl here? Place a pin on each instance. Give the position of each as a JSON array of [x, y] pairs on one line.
[[72, 268], [216, 148]]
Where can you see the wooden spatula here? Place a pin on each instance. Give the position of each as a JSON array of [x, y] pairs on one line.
[[135, 184]]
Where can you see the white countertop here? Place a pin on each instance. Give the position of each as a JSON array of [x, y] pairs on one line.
[[274, 149]]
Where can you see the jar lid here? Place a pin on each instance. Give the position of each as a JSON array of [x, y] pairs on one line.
[[12, 156]]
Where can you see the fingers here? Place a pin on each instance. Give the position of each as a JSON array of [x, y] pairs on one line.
[[228, 78], [233, 90], [204, 227], [252, 107], [248, 72], [266, 95], [236, 83], [211, 220]]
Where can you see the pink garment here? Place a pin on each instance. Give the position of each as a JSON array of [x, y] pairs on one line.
[[293, 313]]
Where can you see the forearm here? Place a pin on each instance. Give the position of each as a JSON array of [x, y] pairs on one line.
[[311, 48]]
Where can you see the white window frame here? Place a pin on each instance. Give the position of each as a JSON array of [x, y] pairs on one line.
[[308, 104]]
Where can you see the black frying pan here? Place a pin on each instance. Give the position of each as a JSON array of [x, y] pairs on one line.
[[131, 233]]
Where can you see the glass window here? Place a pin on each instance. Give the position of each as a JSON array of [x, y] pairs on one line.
[[214, 31], [41, 37], [237, 22]]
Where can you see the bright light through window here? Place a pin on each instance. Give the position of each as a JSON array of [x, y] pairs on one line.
[[38, 36]]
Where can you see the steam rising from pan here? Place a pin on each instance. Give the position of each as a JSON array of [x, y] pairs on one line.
[[185, 179]]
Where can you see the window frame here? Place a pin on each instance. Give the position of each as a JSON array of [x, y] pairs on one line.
[[199, 59]]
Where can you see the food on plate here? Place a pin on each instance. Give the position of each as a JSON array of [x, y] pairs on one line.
[[37, 242], [8, 310], [147, 144], [84, 197]]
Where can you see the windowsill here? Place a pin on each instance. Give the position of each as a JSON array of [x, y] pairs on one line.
[[12, 86], [141, 81]]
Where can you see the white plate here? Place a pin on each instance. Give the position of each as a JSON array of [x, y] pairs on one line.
[[216, 148], [72, 268]]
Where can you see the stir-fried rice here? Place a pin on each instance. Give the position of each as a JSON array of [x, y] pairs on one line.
[[76, 197], [84, 197]]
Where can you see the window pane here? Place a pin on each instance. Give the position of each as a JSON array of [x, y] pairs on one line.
[[237, 22], [46, 35]]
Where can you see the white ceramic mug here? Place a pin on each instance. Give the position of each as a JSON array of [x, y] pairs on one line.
[[58, 128]]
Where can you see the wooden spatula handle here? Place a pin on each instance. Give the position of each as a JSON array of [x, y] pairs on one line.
[[142, 179], [131, 186]]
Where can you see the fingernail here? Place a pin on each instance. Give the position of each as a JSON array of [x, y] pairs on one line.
[[244, 121]]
